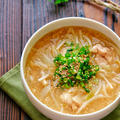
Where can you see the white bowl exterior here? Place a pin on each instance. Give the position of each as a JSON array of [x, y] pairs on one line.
[[70, 21]]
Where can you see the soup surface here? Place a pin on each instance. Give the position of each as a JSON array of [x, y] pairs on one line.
[[74, 70]]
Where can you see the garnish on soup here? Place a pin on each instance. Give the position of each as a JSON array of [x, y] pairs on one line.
[[74, 68]]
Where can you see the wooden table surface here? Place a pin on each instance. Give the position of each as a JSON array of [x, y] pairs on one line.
[[19, 19]]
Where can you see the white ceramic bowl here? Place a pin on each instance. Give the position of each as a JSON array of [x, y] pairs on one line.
[[70, 21]]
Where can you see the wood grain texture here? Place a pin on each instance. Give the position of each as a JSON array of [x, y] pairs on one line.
[[19, 19], [10, 41]]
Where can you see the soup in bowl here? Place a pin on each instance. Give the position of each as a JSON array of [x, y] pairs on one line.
[[71, 69]]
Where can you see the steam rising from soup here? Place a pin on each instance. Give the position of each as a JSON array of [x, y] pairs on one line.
[[71, 92]]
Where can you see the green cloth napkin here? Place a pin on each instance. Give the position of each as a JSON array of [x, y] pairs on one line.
[[11, 84]]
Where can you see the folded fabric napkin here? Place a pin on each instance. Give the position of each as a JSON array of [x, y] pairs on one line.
[[11, 84]]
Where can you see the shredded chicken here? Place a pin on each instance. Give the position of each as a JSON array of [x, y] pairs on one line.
[[69, 100], [100, 60], [73, 101], [98, 48], [104, 54]]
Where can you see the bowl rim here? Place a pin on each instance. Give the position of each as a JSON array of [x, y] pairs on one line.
[[26, 87]]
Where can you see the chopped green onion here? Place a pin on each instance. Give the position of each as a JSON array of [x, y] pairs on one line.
[[74, 68]]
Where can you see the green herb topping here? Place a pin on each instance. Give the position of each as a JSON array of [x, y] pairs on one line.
[[74, 68], [59, 1]]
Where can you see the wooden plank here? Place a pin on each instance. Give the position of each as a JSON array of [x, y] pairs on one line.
[[103, 15], [10, 41], [80, 9], [117, 22], [94, 11], [113, 19]]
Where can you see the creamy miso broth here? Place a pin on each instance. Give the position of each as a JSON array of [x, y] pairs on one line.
[[74, 70]]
